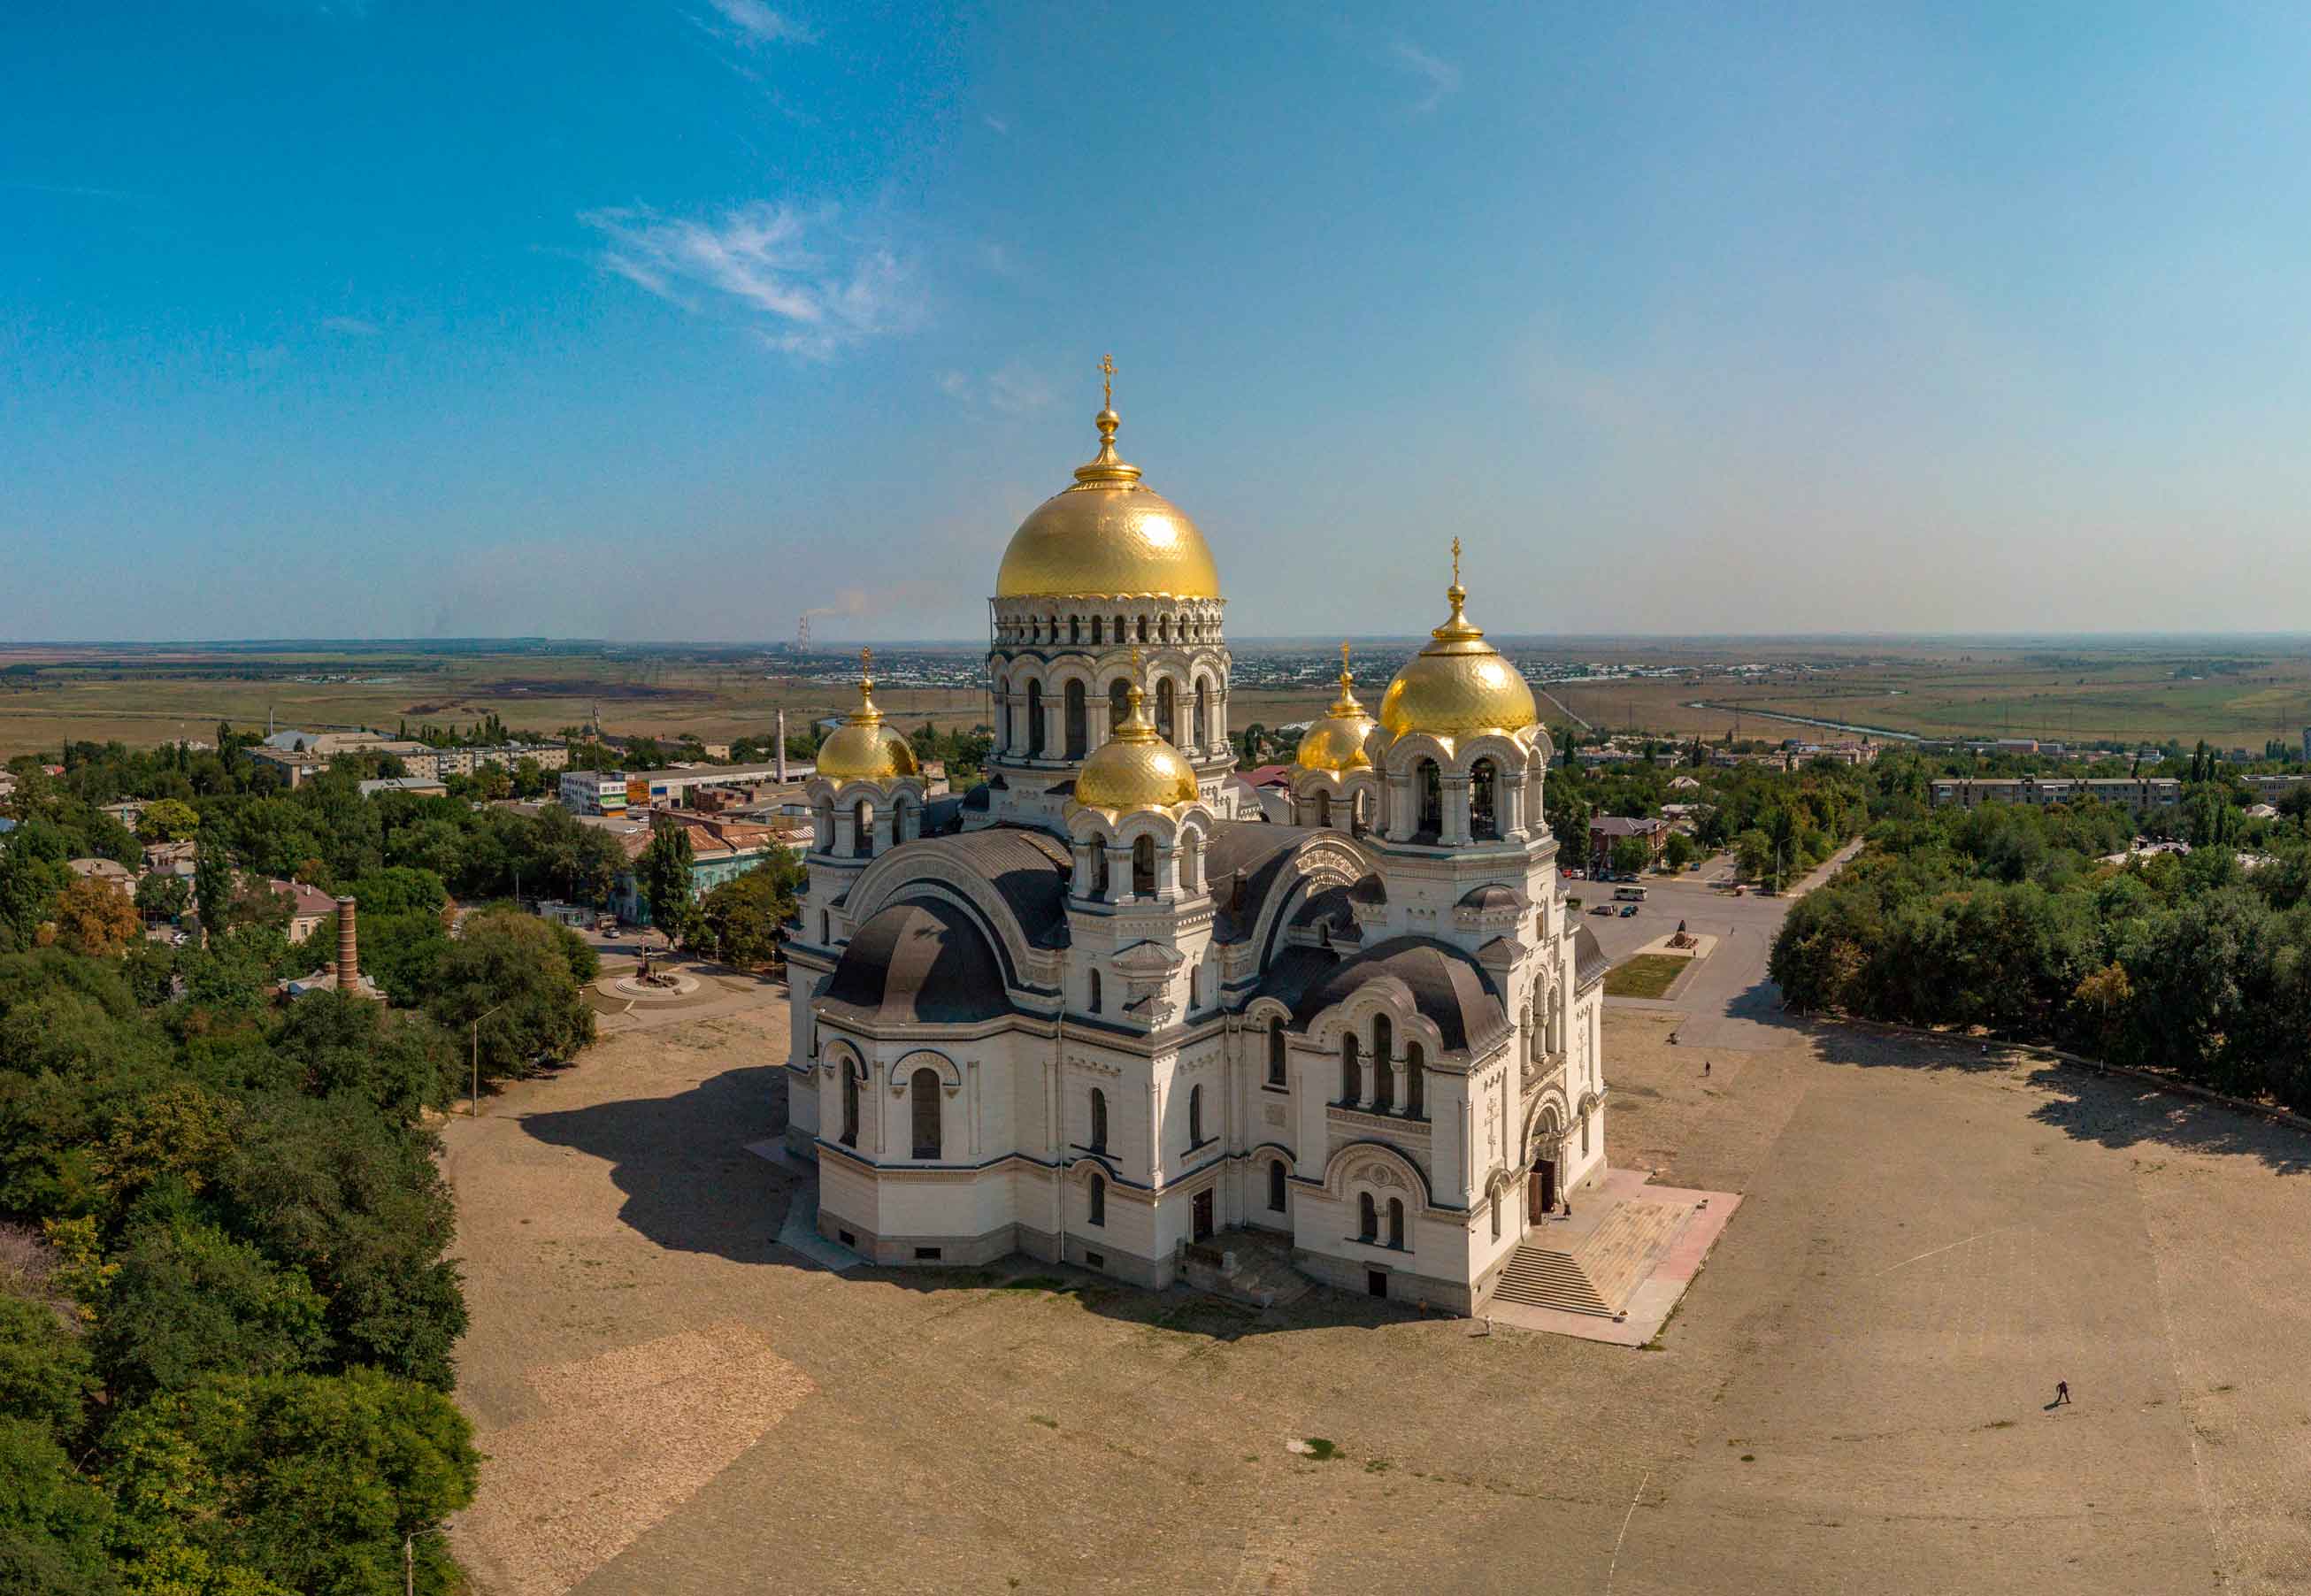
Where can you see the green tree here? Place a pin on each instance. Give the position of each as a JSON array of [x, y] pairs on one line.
[[163, 895], [188, 1300], [169, 820], [518, 976], [665, 876], [95, 918], [745, 918], [1630, 855], [52, 1522]]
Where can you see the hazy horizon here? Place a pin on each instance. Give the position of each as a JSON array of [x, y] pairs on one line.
[[671, 321]]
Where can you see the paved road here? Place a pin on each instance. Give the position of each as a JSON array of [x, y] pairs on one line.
[[1732, 1003]]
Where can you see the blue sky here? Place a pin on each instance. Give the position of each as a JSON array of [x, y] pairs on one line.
[[670, 321]]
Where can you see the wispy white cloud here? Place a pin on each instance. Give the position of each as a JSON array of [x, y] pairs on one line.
[[1013, 388], [353, 326], [1001, 125], [752, 22], [804, 288], [1441, 78]]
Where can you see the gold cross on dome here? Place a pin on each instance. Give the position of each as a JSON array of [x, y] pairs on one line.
[[1344, 658], [1456, 561], [865, 659], [1107, 382]]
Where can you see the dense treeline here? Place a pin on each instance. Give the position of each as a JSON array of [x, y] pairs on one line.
[[226, 1312], [2013, 918]]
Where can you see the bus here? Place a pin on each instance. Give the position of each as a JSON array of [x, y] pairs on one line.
[[1629, 894]]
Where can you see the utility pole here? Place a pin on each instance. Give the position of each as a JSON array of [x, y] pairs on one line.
[[477, 1058]]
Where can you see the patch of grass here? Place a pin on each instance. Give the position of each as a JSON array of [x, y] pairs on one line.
[[1319, 1449], [1036, 1283], [1647, 975], [2000, 1424], [1749, 1457], [1377, 1466], [1037, 1418]]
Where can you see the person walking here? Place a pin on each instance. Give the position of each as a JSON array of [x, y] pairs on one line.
[[2061, 1392], [1704, 1070]]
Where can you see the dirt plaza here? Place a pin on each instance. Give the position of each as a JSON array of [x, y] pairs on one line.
[[1852, 1396]]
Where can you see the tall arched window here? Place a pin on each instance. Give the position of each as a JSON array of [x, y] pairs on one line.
[[850, 1103], [1203, 711], [1143, 866], [1143, 629], [1098, 1120], [1195, 1116], [1098, 630], [924, 1086], [1275, 1051], [1118, 701], [1396, 1222], [1584, 1136], [1367, 1218], [1431, 787], [1034, 719], [1195, 988], [1091, 1004], [862, 829], [1352, 1086], [1078, 728], [1276, 1186], [1383, 1075], [1167, 725], [1497, 1215], [1483, 819], [1075, 629], [1324, 808], [1416, 1082], [1122, 634], [1099, 1200]]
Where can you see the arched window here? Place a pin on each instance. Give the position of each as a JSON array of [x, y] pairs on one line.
[[1143, 866], [1324, 808], [1078, 729], [862, 829], [1276, 1186], [1075, 629], [825, 929], [1584, 1136], [1352, 1086], [1098, 630], [1497, 1215], [1163, 629], [1118, 701], [1367, 1218], [1098, 1120], [1431, 788], [1195, 1116], [1195, 988], [1091, 1004], [1003, 712], [1166, 719], [1483, 820], [850, 1103], [1099, 1200], [1143, 629], [1034, 719], [1203, 711], [924, 1084], [1416, 1082], [1383, 1077], [1275, 1051], [1121, 632], [1395, 1222]]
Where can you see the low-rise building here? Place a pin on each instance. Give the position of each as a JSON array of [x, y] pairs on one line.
[[593, 792], [111, 871], [309, 907], [2141, 792], [420, 786], [1606, 829]]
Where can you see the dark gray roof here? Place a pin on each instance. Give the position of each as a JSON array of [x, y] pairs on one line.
[[1488, 897], [1331, 903], [1589, 961], [943, 816], [1259, 851], [1617, 825], [1445, 985], [1370, 889], [918, 964], [1028, 869], [1290, 973]]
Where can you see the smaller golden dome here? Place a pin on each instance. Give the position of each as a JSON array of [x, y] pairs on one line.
[[1134, 769], [1458, 686], [1336, 742], [862, 748]]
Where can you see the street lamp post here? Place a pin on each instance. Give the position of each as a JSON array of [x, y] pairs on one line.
[[477, 1057]]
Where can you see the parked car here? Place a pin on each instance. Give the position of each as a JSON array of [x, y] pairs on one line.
[[1604, 909], [1626, 909]]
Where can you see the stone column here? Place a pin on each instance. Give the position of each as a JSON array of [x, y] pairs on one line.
[[1396, 1081], [1118, 875]]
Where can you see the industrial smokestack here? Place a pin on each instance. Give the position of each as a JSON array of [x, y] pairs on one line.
[[348, 955], [782, 747]]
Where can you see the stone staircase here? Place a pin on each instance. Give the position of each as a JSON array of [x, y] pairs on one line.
[[1246, 1266], [1598, 1274]]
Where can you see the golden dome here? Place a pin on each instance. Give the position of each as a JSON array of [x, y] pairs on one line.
[[862, 748], [1109, 535], [1458, 686], [1337, 743], [1134, 769]]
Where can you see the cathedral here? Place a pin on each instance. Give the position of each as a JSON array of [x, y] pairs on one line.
[[1108, 1009]]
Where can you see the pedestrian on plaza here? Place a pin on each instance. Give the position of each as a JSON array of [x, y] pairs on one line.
[[2061, 1392], [1568, 1205], [1704, 1070]]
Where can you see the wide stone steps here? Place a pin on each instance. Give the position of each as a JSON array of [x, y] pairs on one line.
[[1602, 1271], [1540, 1277]]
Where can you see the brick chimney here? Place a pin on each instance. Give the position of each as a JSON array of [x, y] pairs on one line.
[[348, 957]]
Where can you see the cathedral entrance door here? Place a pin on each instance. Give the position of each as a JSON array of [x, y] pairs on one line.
[[1203, 1212], [1540, 1190]]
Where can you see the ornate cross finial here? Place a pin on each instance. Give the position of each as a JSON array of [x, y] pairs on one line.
[[1456, 561], [1107, 382], [866, 661], [1343, 654]]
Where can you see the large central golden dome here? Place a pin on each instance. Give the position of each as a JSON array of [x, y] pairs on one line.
[[1458, 686], [1109, 537]]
